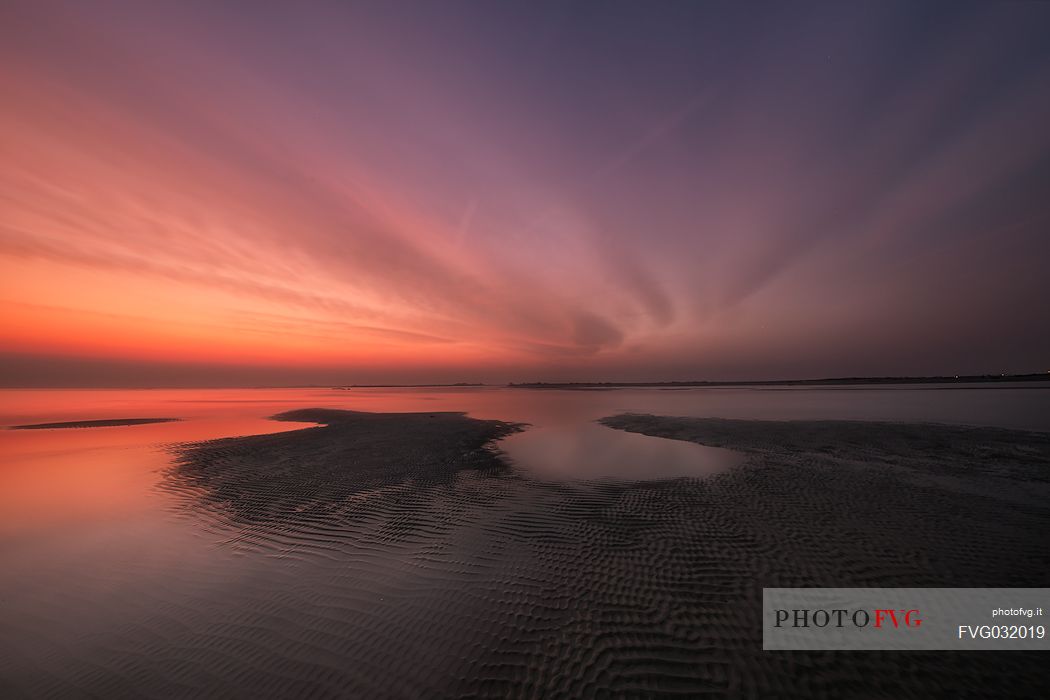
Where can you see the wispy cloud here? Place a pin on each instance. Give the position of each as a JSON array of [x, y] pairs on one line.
[[692, 190]]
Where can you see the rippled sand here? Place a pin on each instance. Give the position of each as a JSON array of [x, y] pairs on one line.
[[395, 555]]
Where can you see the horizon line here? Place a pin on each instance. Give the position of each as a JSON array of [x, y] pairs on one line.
[[885, 379]]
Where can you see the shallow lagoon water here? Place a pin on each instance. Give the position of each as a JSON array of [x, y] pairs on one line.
[[97, 556], [67, 476]]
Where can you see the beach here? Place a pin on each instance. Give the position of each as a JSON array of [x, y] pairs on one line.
[[524, 350], [398, 555]]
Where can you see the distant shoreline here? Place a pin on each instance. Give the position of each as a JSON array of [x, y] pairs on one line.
[[838, 381], [1039, 377], [411, 386], [103, 423]]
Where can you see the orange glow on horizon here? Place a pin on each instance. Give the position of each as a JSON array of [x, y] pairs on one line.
[[177, 187]]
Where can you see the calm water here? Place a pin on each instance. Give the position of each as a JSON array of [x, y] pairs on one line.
[[67, 476], [58, 478], [91, 547]]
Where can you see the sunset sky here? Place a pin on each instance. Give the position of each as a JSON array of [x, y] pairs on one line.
[[280, 193]]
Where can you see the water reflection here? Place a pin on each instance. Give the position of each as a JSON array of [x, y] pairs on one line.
[[75, 476], [51, 477], [100, 565], [588, 451]]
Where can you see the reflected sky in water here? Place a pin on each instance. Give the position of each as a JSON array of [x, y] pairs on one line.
[[66, 476], [91, 546], [592, 451]]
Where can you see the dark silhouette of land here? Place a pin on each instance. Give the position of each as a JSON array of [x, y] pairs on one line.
[[105, 423], [406, 386], [836, 381]]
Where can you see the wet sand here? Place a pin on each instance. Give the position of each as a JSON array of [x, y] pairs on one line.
[[104, 423], [396, 555], [846, 503]]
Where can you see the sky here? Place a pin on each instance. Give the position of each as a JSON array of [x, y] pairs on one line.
[[223, 193]]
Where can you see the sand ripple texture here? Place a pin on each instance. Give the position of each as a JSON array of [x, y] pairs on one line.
[[394, 555]]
